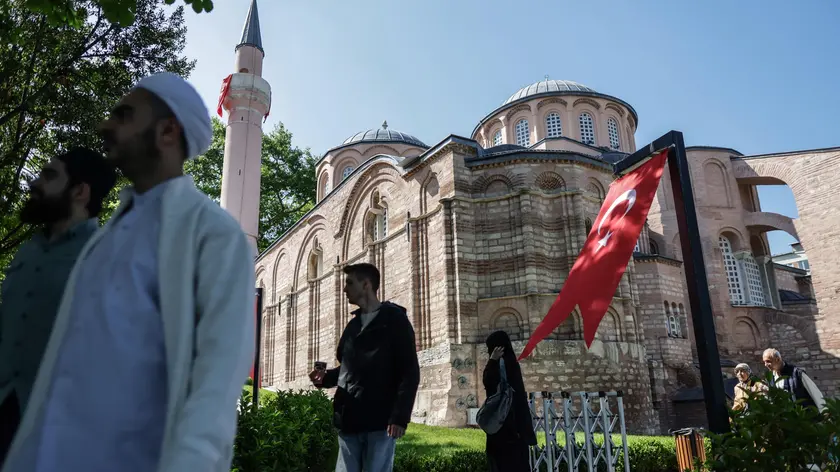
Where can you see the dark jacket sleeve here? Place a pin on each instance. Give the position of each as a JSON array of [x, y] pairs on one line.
[[331, 377], [409, 373]]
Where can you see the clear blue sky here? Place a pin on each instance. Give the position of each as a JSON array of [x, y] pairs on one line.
[[756, 76]]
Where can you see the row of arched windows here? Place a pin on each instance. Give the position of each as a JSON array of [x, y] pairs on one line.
[[554, 129]]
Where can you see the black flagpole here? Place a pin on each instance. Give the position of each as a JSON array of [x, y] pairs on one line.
[[695, 271], [255, 386]]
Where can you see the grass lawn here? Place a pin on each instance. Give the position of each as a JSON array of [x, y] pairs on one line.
[[434, 439]]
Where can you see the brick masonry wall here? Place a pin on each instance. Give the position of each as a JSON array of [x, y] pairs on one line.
[[474, 249]]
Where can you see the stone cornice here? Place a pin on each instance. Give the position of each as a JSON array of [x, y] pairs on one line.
[[656, 258]]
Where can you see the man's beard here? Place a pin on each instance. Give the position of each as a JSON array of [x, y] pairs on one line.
[[43, 210], [136, 155]]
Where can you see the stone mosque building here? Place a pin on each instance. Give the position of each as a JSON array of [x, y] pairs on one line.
[[474, 234]]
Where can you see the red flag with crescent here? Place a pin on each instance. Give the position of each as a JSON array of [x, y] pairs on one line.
[[602, 261], [223, 94]]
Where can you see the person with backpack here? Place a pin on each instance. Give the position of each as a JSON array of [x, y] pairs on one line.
[[508, 445]]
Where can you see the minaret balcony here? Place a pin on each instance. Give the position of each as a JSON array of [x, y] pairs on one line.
[[248, 90]]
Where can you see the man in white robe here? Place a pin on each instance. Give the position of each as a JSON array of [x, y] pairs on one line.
[[154, 336]]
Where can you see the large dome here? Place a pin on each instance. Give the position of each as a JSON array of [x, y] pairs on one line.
[[548, 86], [383, 135]]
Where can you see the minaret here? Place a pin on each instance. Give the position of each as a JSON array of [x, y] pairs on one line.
[[247, 102]]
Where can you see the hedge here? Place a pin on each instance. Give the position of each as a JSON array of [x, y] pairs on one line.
[[293, 432]]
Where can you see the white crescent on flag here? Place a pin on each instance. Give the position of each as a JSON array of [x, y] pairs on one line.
[[630, 196]]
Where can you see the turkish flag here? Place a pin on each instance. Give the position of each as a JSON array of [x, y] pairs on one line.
[[223, 94], [602, 261]]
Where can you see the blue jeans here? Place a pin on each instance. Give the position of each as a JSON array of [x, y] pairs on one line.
[[365, 452]]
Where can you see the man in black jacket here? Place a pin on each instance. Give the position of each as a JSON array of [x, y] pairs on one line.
[[376, 379]]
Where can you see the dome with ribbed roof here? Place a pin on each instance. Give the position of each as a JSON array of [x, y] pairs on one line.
[[548, 86], [384, 135]]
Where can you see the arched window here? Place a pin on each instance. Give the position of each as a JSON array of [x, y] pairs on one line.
[[612, 129], [638, 247], [587, 223], [497, 138], [674, 321], [587, 129], [553, 126], [380, 225], [754, 283], [733, 277], [523, 133], [654, 249], [346, 172]]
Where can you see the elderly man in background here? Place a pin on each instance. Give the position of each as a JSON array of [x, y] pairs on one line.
[[793, 380], [64, 202], [747, 387], [155, 336]]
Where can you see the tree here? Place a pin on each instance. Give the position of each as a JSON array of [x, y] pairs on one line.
[[119, 12], [287, 185], [58, 83]]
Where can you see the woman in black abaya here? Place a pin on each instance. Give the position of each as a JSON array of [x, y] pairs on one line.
[[507, 450]]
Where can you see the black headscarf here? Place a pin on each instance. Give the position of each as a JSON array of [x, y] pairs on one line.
[[501, 339]]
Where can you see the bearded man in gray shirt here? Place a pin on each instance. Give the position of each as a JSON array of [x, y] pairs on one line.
[[64, 202]]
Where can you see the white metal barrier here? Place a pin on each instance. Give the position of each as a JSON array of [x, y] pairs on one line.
[[589, 413]]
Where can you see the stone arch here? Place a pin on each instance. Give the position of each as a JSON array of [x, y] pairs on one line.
[[342, 162], [318, 230], [550, 101], [587, 101], [718, 188], [381, 149], [615, 108], [746, 335], [610, 328], [595, 189], [379, 177], [758, 246], [377, 174], [430, 193], [550, 182], [482, 183], [569, 330], [519, 108], [323, 182], [735, 237], [259, 276], [508, 320], [277, 288]]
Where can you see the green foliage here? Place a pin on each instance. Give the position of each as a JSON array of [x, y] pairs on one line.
[[119, 12], [289, 432], [287, 184], [779, 435], [58, 82]]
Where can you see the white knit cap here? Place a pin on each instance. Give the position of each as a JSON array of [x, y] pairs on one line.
[[186, 104], [743, 367]]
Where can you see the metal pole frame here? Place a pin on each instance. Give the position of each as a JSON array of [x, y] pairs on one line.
[[255, 387], [694, 268]]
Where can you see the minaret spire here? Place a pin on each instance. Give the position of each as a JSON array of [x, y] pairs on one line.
[[247, 102], [251, 35]]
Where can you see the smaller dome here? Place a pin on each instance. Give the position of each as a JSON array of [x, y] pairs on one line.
[[384, 135], [548, 86]]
